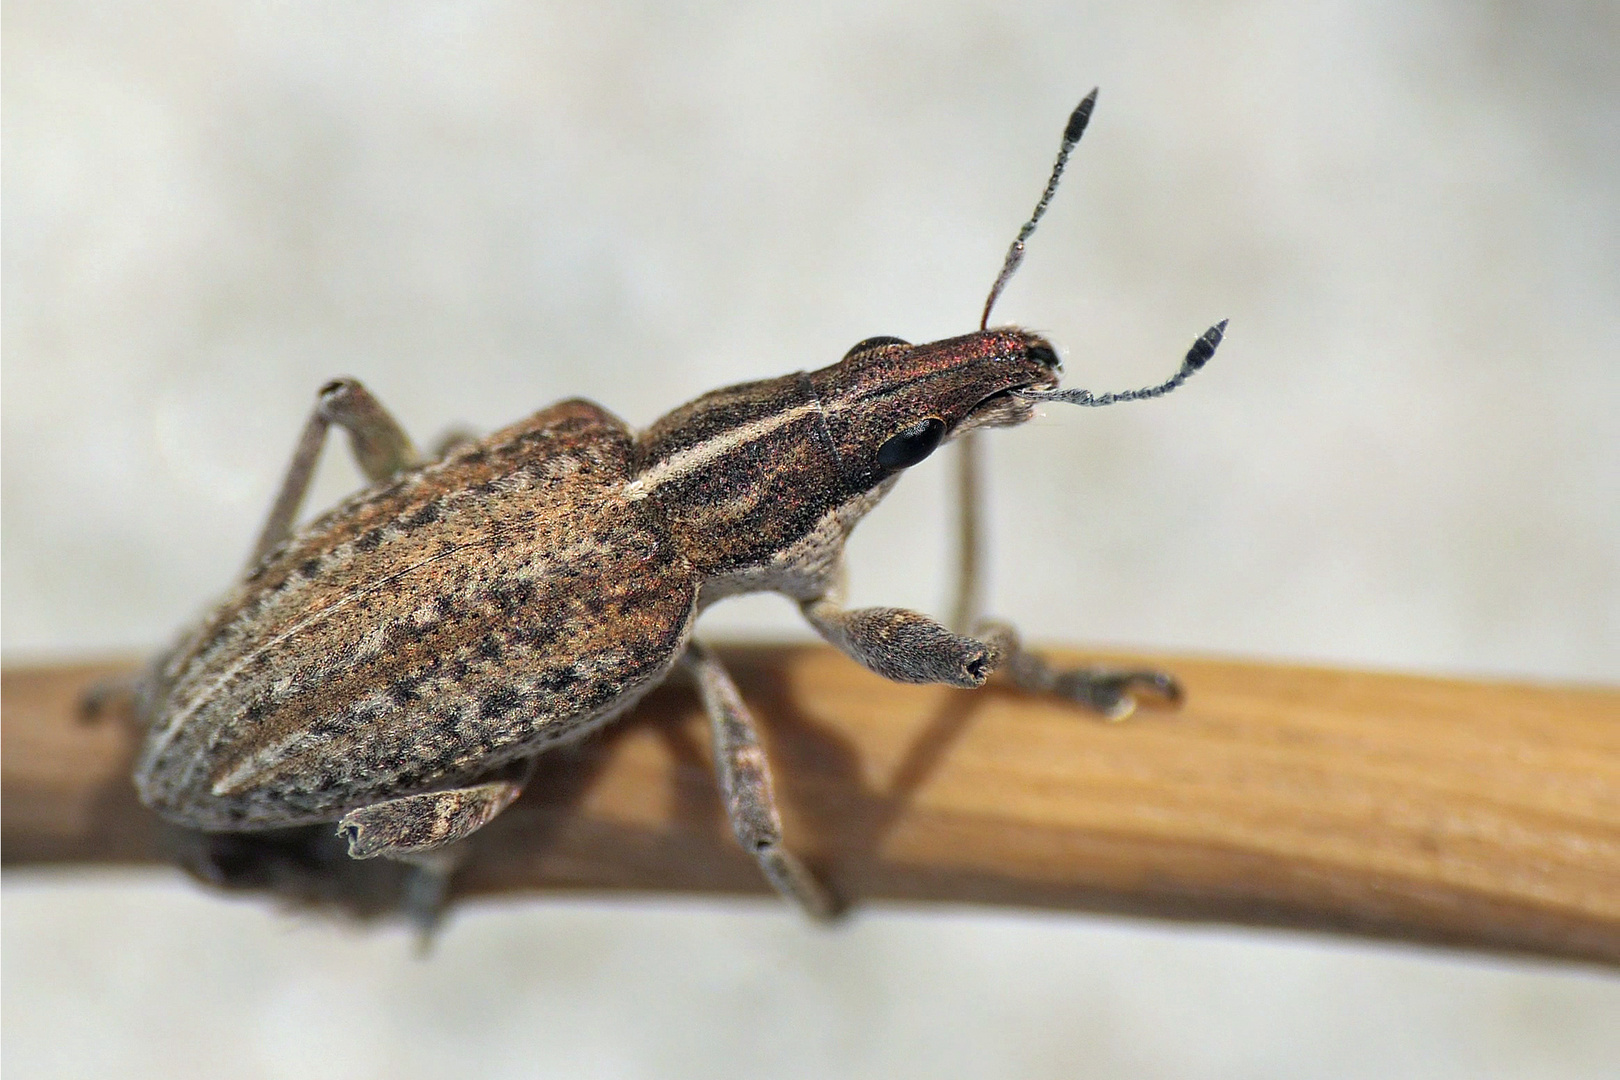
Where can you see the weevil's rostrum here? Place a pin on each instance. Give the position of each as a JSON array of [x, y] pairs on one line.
[[393, 666]]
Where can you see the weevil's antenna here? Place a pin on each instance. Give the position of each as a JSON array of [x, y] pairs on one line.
[[1015, 254], [1197, 357]]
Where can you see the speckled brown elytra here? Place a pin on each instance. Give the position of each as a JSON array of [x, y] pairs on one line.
[[396, 665]]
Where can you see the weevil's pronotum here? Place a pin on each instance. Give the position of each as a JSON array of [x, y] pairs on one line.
[[395, 666]]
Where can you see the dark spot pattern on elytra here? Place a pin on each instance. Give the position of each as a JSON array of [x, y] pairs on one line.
[[558, 680], [422, 651], [326, 727], [497, 703]]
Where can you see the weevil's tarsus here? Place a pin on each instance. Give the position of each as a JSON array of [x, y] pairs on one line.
[[425, 896], [1110, 692], [745, 786], [1114, 693], [1015, 253], [380, 446], [111, 694], [1197, 357]]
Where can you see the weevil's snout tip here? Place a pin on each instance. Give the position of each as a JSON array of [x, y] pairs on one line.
[[1040, 351]]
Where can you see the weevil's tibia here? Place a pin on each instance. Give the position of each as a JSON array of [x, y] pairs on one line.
[[381, 448], [968, 604], [901, 645], [410, 825], [745, 785]]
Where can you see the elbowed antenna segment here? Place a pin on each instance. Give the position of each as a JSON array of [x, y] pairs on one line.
[[1197, 357], [1015, 254]]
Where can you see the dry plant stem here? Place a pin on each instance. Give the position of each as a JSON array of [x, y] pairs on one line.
[[1474, 814]]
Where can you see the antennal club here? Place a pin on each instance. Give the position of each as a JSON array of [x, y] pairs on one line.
[[1015, 254], [1197, 357]]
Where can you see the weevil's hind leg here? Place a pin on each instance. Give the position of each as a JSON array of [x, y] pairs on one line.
[[412, 825], [1109, 691], [381, 448], [120, 694], [423, 831], [745, 785], [132, 696], [426, 894]]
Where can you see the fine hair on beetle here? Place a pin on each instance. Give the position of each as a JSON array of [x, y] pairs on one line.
[[397, 665]]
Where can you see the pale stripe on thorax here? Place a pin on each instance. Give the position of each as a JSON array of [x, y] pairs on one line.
[[685, 462]]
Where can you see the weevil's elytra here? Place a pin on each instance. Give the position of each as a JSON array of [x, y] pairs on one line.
[[394, 666], [430, 628]]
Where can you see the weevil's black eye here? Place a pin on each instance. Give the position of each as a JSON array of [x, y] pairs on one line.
[[912, 445], [1042, 353], [874, 342]]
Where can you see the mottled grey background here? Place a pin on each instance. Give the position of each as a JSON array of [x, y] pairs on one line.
[[1405, 457]]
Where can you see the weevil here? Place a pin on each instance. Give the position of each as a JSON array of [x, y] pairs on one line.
[[395, 666]]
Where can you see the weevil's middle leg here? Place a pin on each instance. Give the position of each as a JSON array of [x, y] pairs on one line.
[[381, 448], [745, 785], [1110, 691], [424, 831], [968, 605]]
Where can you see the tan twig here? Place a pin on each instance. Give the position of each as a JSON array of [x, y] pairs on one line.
[[1474, 814]]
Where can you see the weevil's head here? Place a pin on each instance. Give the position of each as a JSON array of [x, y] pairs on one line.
[[759, 482], [889, 404], [741, 475]]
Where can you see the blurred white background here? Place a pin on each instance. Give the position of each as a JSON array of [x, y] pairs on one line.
[[1406, 455]]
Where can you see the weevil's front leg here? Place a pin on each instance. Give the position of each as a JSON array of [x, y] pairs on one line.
[[1109, 691], [381, 448], [745, 785], [907, 646]]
